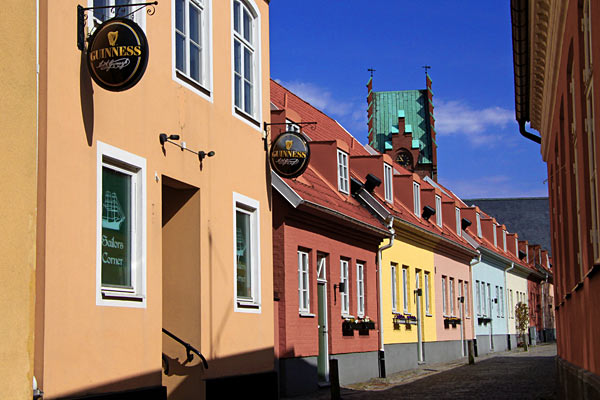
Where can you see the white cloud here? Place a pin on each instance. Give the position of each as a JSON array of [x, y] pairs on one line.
[[479, 126]]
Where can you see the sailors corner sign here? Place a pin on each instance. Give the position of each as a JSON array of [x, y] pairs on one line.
[[289, 154], [118, 54]]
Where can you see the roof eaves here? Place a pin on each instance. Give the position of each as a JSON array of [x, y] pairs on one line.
[[346, 217], [285, 190]]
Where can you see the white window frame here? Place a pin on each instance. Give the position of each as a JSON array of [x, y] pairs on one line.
[[427, 300], [138, 17], [504, 239], [135, 166], [360, 289], [204, 87], [484, 300], [342, 168], [444, 296], [478, 295], [254, 118], [321, 267], [452, 300], [405, 286], [495, 235], [458, 224], [498, 301], [417, 199], [466, 295], [489, 298], [394, 282], [251, 207], [516, 247], [502, 302], [478, 218], [388, 174], [345, 295], [438, 210], [303, 282]]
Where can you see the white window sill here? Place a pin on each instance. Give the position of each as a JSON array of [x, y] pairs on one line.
[[247, 117], [344, 316], [307, 315], [428, 315], [247, 306]]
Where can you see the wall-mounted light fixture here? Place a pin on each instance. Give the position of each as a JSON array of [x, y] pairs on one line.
[[164, 138], [371, 183], [427, 212], [465, 223]]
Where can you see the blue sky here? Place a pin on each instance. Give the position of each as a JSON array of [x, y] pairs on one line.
[[321, 51]]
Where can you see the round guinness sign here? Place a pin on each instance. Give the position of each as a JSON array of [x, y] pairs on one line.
[[118, 54], [289, 154]]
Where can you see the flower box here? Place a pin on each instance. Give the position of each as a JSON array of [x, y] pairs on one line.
[[451, 321], [483, 320]]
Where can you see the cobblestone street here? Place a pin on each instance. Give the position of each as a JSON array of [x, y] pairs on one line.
[[506, 375]]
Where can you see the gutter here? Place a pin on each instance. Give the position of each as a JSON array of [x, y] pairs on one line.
[[380, 297]]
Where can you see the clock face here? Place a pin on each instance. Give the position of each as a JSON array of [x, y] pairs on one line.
[[404, 158]]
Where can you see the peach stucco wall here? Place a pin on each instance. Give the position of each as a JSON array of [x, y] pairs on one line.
[[85, 347]]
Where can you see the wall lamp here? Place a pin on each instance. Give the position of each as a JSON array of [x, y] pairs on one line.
[[427, 212], [342, 288], [164, 138], [465, 223], [371, 183]]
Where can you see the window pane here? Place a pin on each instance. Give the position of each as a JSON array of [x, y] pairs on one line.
[[195, 62], [247, 26], [247, 97], [180, 52], [247, 65], [194, 24], [236, 17], [180, 15], [237, 55], [243, 254], [116, 228], [238, 91]]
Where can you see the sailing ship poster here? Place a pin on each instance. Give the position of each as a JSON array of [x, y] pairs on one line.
[[116, 228]]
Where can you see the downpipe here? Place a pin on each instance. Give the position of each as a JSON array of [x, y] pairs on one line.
[[380, 298], [506, 302]]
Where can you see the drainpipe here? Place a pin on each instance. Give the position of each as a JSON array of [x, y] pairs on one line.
[[419, 320], [473, 314], [380, 299], [544, 308], [512, 265], [526, 134]]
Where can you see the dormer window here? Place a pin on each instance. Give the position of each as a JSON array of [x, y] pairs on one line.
[[478, 218], [504, 239], [291, 126], [516, 247], [458, 226], [417, 198], [342, 162], [547, 262], [527, 253], [438, 210], [387, 181], [495, 238]]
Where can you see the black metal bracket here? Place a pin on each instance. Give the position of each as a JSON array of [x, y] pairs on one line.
[[82, 17], [164, 138], [267, 130], [189, 349]]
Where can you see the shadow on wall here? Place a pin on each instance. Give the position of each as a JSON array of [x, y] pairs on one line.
[[86, 97]]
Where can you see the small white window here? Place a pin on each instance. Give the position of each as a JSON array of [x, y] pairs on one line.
[[417, 199], [246, 61], [427, 307], [290, 126], [478, 218], [387, 178], [100, 15], [495, 235], [527, 253], [303, 282], [484, 300], [121, 228], [504, 239], [498, 301], [516, 247], [489, 298], [192, 48], [502, 301], [466, 294], [321, 267], [246, 253], [438, 210], [444, 296], [342, 163], [360, 289], [452, 300], [405, 287], [478, 299], [458, 224], [394, 276], [345, 294]]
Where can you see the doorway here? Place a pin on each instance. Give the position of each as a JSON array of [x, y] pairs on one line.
[[323, 358]]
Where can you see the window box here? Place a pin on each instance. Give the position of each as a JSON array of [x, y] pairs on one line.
[[348, 328], [483, 320], [451, 321], [406, 319]]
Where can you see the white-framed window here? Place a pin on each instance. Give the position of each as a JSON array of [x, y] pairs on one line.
[[458, 224], [489, 298], [246, 253], [498, 302], [387, 182], [495, 235], [120, 228], [321, 267], [501, 302], [405, 287], [394, 280], [342, 164], [345, 295], [427, 299], [192, 49], [100, 15], [512, 304], [516, 247], [452, 300], [290, 126], [417, 199], [484, 300], [303, 282], [246, 61], [438, 210], [504, 239], [444, 296], [478, 297], [527, 253], [360, 289], [478, 218], [466, 294]]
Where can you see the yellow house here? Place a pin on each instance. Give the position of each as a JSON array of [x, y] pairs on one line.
[[154, 207], [18, 153]]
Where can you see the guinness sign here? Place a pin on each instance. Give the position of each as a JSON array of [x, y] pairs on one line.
[[289, 154], [118, 54]]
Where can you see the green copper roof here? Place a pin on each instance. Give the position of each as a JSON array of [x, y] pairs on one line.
[[412, 104]]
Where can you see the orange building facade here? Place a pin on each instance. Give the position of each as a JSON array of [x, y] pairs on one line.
[[138, 233]]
